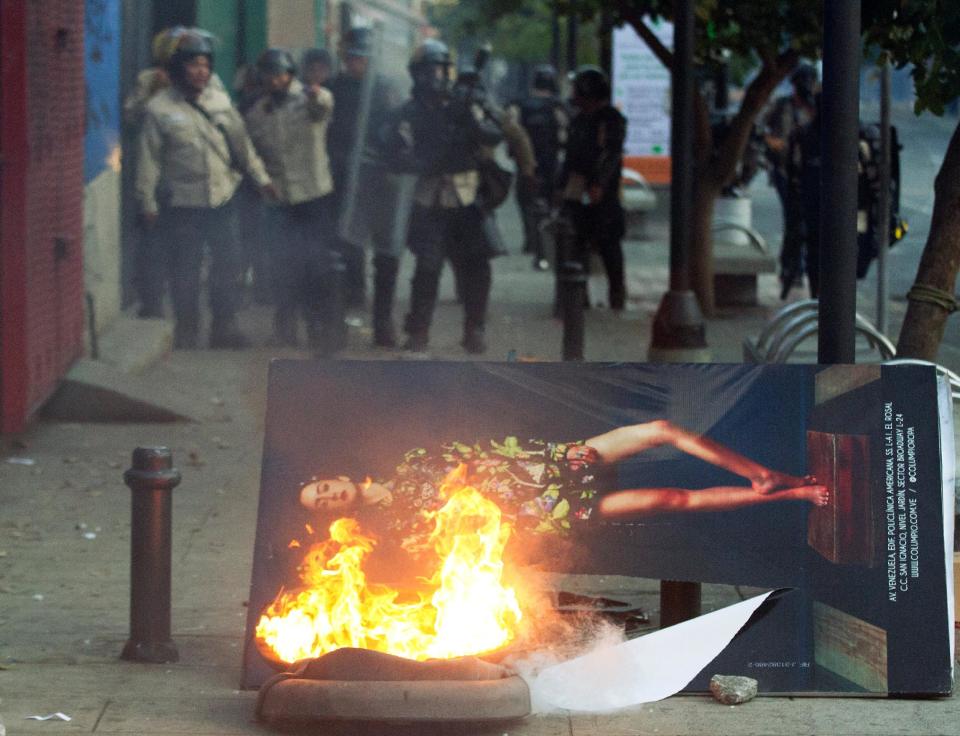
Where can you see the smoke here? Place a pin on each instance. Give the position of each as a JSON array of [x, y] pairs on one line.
[[557, 637]]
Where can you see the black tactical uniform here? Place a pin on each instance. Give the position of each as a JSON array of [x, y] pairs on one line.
[[804, 172], [786, 118], [591, 178], [440, 139], [544, 118]]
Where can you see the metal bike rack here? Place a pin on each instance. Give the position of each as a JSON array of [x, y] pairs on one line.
[[795, 323]]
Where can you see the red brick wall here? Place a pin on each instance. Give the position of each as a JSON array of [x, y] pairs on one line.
[[41, 224]]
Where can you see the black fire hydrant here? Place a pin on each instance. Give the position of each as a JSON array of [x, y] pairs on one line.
[[152, 479]]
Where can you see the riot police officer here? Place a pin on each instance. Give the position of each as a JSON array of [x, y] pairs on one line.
[[288, 126], [804, 168], [591, 178], [787, 117], [348, 89], [544, 117], [194, 150], [316, 67], [441, 138], [376, 192]]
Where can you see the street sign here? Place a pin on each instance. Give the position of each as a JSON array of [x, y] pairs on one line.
[[641, 91]]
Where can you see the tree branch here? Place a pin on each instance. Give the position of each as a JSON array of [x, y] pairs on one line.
[[635, 19], [755, 99]]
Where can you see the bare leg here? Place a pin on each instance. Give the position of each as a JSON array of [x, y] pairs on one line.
[[644, 501], [626, 441]]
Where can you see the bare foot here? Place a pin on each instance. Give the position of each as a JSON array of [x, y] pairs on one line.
[[770, 480], [818, 495]]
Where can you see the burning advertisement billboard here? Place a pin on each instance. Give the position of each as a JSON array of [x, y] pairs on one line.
[[406, 507]]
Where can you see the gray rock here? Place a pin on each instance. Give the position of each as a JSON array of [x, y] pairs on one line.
[[733, 689]]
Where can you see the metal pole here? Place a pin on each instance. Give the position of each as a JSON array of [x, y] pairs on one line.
[[151, 478], [678, 331], [679, 601], [555, 37], [678, 323], [681, 148], [574, 283], [572, 29], [571, 288], [883, 205], [838, 192]]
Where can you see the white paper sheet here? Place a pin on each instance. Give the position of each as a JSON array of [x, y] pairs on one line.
[[642, 670]]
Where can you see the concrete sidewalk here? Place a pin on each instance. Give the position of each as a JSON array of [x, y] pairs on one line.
[[65, 537]]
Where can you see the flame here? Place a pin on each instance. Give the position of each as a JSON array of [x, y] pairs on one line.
[[464, 609]]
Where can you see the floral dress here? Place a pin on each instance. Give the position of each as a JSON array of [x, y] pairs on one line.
[[541, 486]]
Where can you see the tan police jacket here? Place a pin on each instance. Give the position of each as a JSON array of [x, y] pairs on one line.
[[291, 138], [149, 82], [185, 158]]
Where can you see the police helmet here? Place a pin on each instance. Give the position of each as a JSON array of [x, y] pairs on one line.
[[164, 44], [358, 42], [545, 78], [591, 82], [805, 75], [274, 62], [423, 64], [191, 43], [316, 56]]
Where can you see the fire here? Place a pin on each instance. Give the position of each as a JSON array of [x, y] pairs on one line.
[[464, 608]]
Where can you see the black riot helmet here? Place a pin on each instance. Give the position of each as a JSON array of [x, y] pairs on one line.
[[274, 62], [358, 42], [545, 78], [430, 67], [591, 83], [804, 80], [316, 56], [192, 42]]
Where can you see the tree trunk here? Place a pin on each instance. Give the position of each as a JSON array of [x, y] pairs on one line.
[[924, 323], [715, 167], [717, 163], [705, 193]]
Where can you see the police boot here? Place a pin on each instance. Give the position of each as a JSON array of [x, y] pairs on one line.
[[185, 333], [184, 339], [476, 296], [385, 286], [284, 328], [423, 299], [473, 341]]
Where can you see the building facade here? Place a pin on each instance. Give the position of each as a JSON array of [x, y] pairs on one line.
[[68, 230], [41, 201]]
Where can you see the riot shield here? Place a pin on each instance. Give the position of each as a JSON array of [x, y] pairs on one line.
[[376, 203], [379, 213]]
